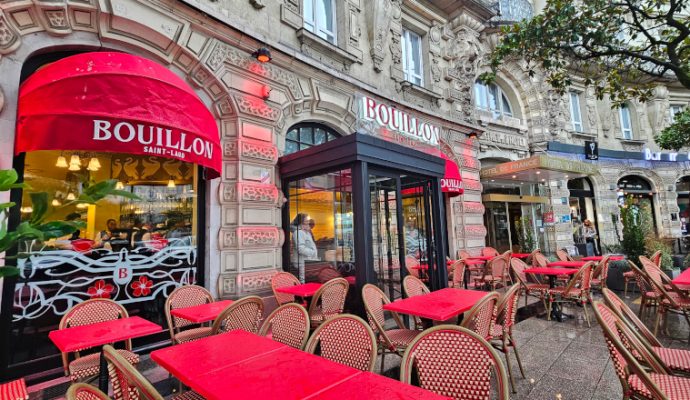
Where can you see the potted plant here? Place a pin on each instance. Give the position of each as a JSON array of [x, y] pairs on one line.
[[654, 244]]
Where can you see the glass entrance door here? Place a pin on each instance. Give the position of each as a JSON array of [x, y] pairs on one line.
[[497, 225]]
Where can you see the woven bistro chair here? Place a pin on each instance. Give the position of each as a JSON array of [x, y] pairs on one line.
[[656, 258], [676, 301], [601, 273], [346, 339], [676, 360], [328, 301], [130, 384], [529, 258], [635, 381], [502, 335], [464, 254], [83, 391], [414, 287], [518, 267], [455, 362], [283, 279], [410, 262], [563, 255], [186, 296], [648, 297], [539, 260], [394, 340], [482, 316], [490, 252], [244, 314], [577, 291], [458, 277], [287, 324], [86, 313]]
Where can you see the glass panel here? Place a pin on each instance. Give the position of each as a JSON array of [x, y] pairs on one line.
[[303, 146], [305, 135], [493, 99], [292, 134], [291, 147], [319, 136], [575, 111], [405, 46], [416, 54], [626, 125], [506, 106], [385, 234], [480, 95], [321, 228], [133, 251], [496, 221], [308, 13], [324, 17]]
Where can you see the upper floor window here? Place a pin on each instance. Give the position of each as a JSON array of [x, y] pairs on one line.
[[575, 112], [675, 110], [491, 98], [412, 57], [304, 136], [626, 121], [319, 18]]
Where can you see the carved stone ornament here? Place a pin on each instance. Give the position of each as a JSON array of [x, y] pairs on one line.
[[464, 51], [378, 29], [258, 4], [9, 38], [396, 50]]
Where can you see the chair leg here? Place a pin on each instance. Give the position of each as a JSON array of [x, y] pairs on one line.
[[642, 306], [584, 308], [625, 287], [383, 360], [510, 372], [517, 356], [548, 309], [656, 322]]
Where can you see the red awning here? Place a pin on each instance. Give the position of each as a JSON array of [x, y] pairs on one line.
[[452, 180], [116, 102]]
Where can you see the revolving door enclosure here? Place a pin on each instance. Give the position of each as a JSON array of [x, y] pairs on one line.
[[364, 209]]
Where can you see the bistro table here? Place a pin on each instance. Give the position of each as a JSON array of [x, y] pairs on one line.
[[520, 255], [483, 258], [552, 273], [239, 364], [566, 264], [470, 262], [682, 279], [599, 258], [201, 313], [100, 333], [303, 291], [440, 305]]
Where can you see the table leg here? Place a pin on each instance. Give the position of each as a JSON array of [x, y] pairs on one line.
[[555, 307], [427, 323], [103, 373], [466, 276]]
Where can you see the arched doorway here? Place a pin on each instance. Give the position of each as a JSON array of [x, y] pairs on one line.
[[642, 193], [582, 207]]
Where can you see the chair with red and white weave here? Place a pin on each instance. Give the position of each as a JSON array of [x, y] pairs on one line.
[[81, 391], [529, 258], [244, 314], [563, 255], [464, 254], [393, 341], [539, 260], [649, 298], [328, 301], [529, 282], [411, 264], [130, 384], [490, 252], [675, 301], [636, 382], [414, 287], [496, 273], [16, 390], [482, 316], [346, 339], [455, 362], [577, 291], [677, 360], [281, 280], [90, 312], [287, 324], [502, 336], [458, 275], [601, 273], [182, 330], [630, 275]]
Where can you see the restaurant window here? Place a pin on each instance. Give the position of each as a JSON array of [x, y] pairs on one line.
[[319, 18], [133, 251], [626, 122], [412, 57], [304, 136], [492, 98], [675, 110], [575, 111]]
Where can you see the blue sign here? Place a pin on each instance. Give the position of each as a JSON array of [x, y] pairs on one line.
[[565, 218]]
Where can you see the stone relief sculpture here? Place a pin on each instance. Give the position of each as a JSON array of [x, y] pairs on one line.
[[464, 52]]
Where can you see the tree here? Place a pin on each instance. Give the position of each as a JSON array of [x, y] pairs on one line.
[[634, 229], [622, 48]]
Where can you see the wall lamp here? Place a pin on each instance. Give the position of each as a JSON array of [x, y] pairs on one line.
[[472, 135], [262, 55]]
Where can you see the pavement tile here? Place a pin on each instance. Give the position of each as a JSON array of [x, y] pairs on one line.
[[549, 387], [586, 351]]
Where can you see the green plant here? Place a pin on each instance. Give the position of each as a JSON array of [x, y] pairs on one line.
[[620, 264], [633, 233], [612, 248], [36, 227], [654, 244], [686, 261], [525, 234]]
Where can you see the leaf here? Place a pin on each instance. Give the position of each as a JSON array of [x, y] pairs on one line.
[[56, 229], [7, 205], [39, 204], [27, 231], [8, 271], [8, 179]]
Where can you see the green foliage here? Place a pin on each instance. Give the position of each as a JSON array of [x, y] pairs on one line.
[[525, 234], [620, 48], [686, 261], [620, 264], [633, 242], [35, 228], [654, 244], [612, 248], [677, 135]]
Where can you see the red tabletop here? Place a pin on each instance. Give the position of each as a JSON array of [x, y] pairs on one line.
[[351, 280], [551, 271], [239, 365], [566, 264], [201, 313], [423, 267], [439, 305], [92, 335], [520, 255], [683, 278], [598, 258], [303, 290], [483, 258], [474, 262]]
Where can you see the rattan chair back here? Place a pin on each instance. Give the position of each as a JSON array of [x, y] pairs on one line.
[[489, 252], [128, 383], [346, 339], [280, 280], [472, 360], [506, 309], [182, 297], [540, 260], [626, 314], [330, 298], [414, 286], [287, 324], [458, 273], [83, 391], [563, 255], [374, 299], [244, 314], [482, 316]]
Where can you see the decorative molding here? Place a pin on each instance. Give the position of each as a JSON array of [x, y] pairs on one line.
[[256, 106], [251, 237], [325, 51], [378, 29], [9, 38], [258, 4]]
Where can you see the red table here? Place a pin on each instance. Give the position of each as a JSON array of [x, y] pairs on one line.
[[552, 273], [566, 264], [201, 313], [239, 365], [423, 267], [683, 278], [483, 258], [440, 305], [520, 255], [303, 290], [101, 333], [598, 258]]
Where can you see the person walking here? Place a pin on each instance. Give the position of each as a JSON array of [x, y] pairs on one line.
[[590, 234]]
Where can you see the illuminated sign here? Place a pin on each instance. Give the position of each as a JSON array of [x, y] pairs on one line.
[[398, 121]]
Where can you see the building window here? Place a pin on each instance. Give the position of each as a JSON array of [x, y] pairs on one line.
[[412, 57], [491, 98], [575, 111], [626, 122], [675, 110], [319, 18], [304, 136]]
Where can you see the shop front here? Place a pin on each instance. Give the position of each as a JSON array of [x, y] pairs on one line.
[[87, 119]]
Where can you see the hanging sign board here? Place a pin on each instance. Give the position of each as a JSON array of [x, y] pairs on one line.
[[548, 217], [399, 121]]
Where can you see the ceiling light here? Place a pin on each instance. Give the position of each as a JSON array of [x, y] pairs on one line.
[[82, 205], [514, 176], [61, 162], [538, 172], [56, 202], [74, 163], [94, 164], [473, 135], [262, 55], [70, 196], [171, 183], [566, 177], [26, 210], [119, 185]]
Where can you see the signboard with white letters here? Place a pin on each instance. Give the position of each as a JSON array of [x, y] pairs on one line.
[[399, 121]]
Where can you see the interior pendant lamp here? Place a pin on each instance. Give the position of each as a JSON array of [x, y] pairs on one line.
[[70, 196], [119, 185], [61, 162], [171, 183], [74, 163], [94, 164]]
